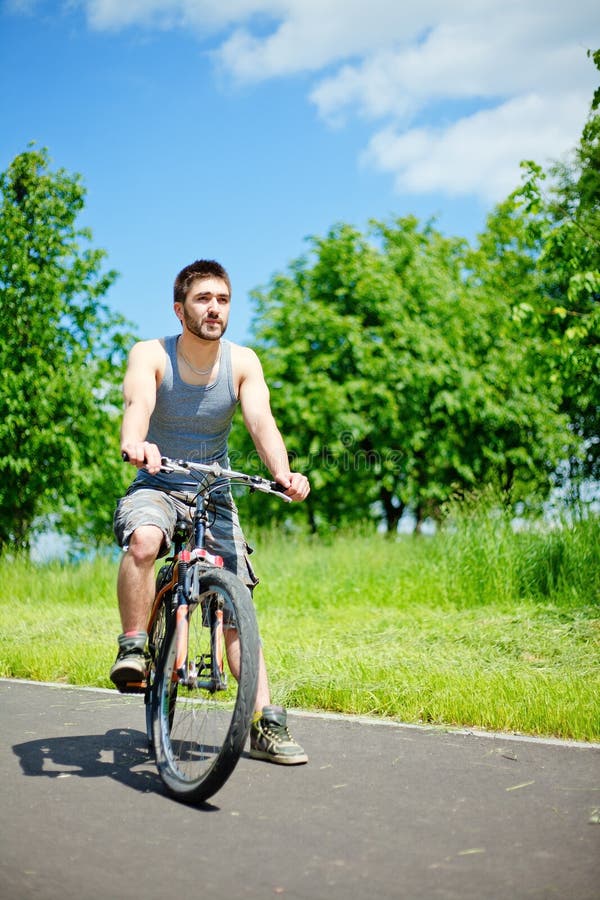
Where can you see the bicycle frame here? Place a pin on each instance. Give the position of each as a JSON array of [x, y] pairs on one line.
[[180, 589]]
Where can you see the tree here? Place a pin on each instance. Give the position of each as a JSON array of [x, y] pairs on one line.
[[61, 357], [401, 376], [528, 430], [563, 205]]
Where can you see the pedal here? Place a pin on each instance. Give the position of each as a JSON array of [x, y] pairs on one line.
[[132, 687]]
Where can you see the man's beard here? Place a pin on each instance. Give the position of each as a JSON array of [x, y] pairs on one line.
[[202, 330]]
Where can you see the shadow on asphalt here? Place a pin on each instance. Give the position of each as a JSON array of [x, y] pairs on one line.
[[116, 754], [119, 754]]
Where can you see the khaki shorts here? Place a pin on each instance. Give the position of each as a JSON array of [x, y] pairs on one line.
[[147, 506]]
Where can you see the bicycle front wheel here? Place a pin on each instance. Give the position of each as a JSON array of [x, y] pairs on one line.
[[200, 726]]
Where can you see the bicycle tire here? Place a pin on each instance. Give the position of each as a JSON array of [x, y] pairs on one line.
[[198, 736]]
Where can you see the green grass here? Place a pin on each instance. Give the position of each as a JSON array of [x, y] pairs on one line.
[[476, 627], [58, 622]]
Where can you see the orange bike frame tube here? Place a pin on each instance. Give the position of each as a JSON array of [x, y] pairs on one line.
[[181, 617], [159, 598], [181, 624], [219, 640]]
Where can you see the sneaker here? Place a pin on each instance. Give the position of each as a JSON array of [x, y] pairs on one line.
[[271, 740], [129, 670]]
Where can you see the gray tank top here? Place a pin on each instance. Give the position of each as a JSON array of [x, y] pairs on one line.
[[190, 421]]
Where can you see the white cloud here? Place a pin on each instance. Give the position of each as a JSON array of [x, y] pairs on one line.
[[339, 27], [314, 34], [480, 153], [455, 62], [521, 62]]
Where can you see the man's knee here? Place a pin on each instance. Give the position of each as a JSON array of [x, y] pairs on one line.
[[145, 543]]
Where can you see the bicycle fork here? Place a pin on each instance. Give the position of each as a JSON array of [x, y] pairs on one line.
[[207, 672]]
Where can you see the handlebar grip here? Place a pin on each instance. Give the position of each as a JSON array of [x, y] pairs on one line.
[[275, 486], [125, 458]]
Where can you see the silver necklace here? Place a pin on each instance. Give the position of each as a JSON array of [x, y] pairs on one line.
[[193, 369]]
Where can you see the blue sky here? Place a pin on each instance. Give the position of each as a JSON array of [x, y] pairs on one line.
[[234, 130]]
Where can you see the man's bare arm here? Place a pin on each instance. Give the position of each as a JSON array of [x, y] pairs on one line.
[[139, 393], [258, 418]]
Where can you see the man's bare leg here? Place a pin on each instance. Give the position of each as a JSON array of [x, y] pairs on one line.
[[263, 695], [135, 583], [135, 589]]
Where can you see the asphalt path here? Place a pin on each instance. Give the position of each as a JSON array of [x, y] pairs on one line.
[[380, 811]]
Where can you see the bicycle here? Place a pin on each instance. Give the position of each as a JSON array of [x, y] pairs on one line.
[[198, 714]]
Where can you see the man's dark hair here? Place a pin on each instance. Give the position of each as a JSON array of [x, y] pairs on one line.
[[201, 268]]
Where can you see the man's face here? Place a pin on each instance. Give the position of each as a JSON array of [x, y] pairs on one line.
[[205, 311]]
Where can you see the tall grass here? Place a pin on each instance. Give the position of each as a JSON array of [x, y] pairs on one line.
[[477, 626]]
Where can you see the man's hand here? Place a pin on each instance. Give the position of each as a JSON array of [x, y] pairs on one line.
[[297, 486], [143, 455]]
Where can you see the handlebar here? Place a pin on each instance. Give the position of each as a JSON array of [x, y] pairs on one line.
[[254, 482]]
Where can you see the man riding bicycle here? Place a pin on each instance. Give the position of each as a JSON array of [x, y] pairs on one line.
[[180, 395]]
